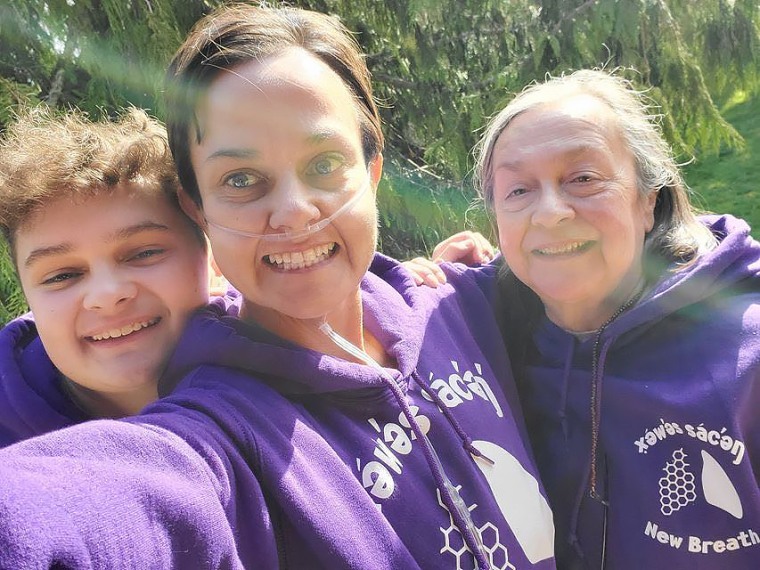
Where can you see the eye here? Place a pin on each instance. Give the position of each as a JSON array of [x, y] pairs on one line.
[[62, 278], [325, 164], [241, 179], [517, 197], [516, 193], [147, 254], [585, 184]]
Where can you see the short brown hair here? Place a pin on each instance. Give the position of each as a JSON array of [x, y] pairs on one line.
[[234, 35], [45, 156]]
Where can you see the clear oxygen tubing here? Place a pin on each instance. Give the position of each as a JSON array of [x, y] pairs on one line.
[[303, 232], [456, 505]]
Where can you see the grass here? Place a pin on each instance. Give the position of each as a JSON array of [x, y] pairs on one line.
[[728, 183]]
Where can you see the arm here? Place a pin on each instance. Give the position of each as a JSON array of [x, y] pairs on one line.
[[108, 494]]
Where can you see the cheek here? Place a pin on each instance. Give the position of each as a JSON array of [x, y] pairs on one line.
[[56, 325], [510, 239], [230, 254], [359, 233]]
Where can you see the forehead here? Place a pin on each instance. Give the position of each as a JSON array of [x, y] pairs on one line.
[[290, 91], [101, 216], [569, 125]]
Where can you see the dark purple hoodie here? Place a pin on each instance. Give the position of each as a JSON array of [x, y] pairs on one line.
[[31, 399], [268, 455], [678, 456]]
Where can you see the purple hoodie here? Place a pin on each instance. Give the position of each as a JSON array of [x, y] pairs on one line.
[[302, 459], [678, 455], [32, 400]]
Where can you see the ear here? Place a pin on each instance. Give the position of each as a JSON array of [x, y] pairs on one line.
[[191, 209], [648, 205], [376, 171]]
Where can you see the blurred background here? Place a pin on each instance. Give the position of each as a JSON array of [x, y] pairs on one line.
[[441, 68]]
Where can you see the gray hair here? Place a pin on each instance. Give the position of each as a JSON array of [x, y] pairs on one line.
[[677, 234]]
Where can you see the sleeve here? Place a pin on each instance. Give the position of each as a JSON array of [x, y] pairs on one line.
[[111, 494]]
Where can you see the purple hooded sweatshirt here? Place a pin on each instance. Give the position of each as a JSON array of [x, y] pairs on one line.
[[269, 455], [678, 453], [32, 398]]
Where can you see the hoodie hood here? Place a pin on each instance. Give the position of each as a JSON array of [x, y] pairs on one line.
[[722, 271], [731, 266], [31, 399], [395, 311]]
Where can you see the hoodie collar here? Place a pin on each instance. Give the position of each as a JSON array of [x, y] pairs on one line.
[[720, 271]]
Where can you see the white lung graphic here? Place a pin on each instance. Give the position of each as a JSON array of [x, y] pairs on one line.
[[719, 491], [518, 496]]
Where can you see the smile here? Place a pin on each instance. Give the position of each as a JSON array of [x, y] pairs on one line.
[[564, 249], [125, 330], [290, 260]]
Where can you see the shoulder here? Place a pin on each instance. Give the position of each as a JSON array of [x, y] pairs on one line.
[[18, 332], [483, 277]]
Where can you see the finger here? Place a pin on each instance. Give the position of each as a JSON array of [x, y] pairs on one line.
[[484, 250], [457, 238], [424, 271]]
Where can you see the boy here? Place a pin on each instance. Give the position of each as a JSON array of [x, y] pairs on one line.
[[110, 266]]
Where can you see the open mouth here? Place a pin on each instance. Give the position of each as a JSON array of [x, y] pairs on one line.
[[125, 330], [291, 260], [564, 249]]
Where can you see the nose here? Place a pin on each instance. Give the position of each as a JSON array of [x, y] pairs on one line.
[[108, 289], [552, 207], [293, 206]]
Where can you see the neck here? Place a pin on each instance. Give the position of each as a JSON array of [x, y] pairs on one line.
[[583, 318], [347, 319], [109, 405]]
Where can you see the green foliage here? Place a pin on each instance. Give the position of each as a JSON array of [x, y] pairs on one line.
[[417, 211], [727, 183], [12, 302]]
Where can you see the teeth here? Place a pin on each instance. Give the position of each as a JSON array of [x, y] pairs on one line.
[[567, 248], [300, 259], [124, 331]]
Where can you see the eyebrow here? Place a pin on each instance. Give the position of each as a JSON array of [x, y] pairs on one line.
[[48, 251], [122, 233], [322, 135], [313, 139], [233, 153], [146, 226], [516, 165]]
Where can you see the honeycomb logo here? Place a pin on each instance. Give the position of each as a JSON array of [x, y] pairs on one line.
[[677, 488], [489, 535]]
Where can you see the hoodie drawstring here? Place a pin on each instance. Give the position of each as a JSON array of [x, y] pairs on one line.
[[457, 508], [466, 439], [565, 387], [598, 360]]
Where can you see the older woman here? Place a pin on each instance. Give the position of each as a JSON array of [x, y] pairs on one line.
[[633, 327], [347, 419]]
